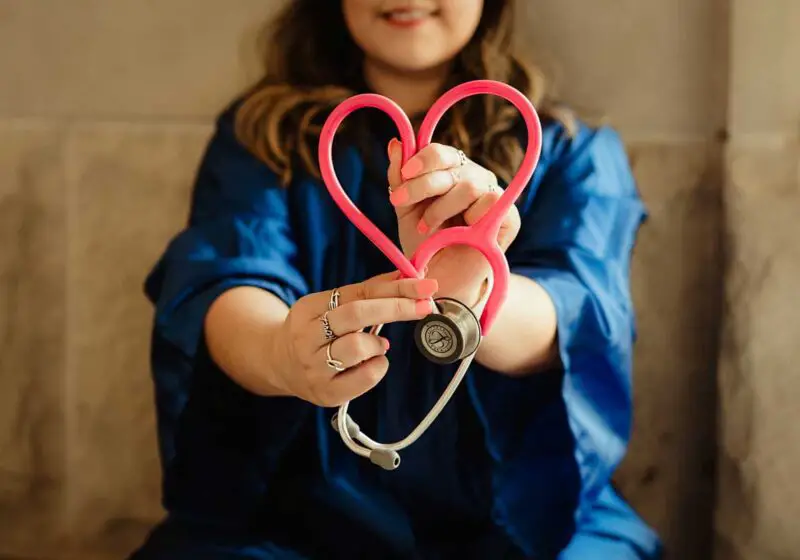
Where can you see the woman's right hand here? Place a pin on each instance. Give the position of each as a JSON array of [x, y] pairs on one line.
[[300, 360]]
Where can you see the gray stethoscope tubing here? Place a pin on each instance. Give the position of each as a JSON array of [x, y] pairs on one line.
[[386, 455]]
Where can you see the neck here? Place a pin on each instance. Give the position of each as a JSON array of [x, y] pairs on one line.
[[413, 91]]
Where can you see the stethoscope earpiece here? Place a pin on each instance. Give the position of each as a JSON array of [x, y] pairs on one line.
[[453, 333], [387, 459], [450, 335]]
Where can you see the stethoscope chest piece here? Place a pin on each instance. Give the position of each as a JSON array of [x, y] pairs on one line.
[[449, 335]]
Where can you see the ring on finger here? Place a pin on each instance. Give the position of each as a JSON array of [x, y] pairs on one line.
[[333, 363], [455, 173], [326, 326], [334, 301]]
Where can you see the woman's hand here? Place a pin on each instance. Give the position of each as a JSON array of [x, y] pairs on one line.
[[301, 348], [438, 188]]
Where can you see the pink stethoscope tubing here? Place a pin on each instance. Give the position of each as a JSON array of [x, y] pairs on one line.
[[482, 235]]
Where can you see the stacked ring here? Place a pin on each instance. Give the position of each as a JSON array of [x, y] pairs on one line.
[[334, 301], [334, 364]]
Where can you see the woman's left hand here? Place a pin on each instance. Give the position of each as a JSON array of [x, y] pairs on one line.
[[438, 187]]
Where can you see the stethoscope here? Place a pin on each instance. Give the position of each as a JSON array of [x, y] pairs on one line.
[[453, 332]]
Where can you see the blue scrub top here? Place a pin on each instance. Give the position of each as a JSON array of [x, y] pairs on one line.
[[512, 468]]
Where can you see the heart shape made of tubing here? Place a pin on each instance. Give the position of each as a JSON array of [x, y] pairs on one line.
[[483, 234]]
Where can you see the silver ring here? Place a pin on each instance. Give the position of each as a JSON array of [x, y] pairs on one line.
[[332, 363], [334, 301], [455, 173], [326, 326], [462, 157]]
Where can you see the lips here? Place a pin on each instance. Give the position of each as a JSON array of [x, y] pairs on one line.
[[408, 17]]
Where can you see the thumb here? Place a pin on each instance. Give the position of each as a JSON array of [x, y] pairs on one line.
[[395, 156]]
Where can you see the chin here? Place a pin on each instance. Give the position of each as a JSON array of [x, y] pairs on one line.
[[416, 62], [418, 67]]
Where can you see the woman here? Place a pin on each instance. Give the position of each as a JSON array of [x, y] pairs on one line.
[[519, 464]]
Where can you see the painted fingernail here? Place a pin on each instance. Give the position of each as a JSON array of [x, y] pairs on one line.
[[386, 344], [422, 227], [424, 307], [411, 168], [399, 196], [428, 287], [392, 145]]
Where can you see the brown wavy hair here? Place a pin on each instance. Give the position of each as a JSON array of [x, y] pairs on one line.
[[312, 64]]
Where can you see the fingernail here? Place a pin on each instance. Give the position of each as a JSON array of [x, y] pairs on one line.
[[424, 307], [422, 227], [411, 168], [399, 196], [386, 344], [392, 144], [428, 287]]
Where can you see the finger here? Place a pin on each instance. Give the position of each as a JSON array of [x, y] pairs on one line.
[[354, 348], [435, 183], [509, 228], [354, 382], [357, 315], [458, 200], [411, 288], [481, 206], [432, 157], [395, 159], [383, 286]]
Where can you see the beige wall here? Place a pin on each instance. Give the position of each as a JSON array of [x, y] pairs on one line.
[[106, 106], [759, 493], [658, 71]]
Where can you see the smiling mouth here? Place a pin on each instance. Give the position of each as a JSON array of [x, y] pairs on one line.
[[407, 17]]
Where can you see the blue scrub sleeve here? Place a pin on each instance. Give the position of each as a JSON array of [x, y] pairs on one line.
[[238, 234], [556, 437]]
